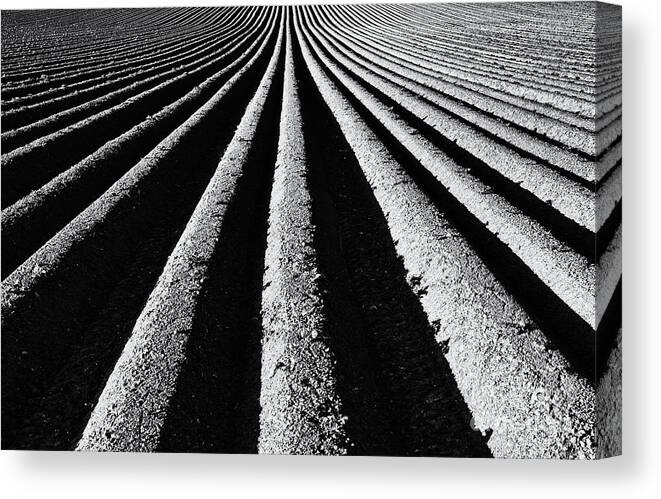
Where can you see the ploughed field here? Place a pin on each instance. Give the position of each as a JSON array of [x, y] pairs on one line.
[[367, 229]]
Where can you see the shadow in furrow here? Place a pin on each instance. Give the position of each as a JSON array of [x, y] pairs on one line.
[[565, 330], [611, 171], [58, 418], [423, 411], [611, 323], [608, 229], [85, 307], [23, 238], [215, 407], [357, 386]]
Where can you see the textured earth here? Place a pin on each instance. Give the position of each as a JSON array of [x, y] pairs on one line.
[[367, 229]]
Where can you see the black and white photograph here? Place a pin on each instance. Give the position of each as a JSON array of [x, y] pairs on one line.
[[364, 229]]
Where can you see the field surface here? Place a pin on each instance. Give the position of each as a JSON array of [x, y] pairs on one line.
[[364, 229]]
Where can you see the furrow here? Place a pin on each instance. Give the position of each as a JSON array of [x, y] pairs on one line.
[[33, 219], [497, 355], [569, 274], [571, 199], [139, 397], [62, 285], [312, 391], [20, 116], [174, 76], [30, 166]]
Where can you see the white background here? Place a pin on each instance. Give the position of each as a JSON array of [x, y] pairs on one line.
[[636, 474]]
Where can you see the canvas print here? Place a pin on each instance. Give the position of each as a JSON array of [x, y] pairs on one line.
[[369, 229]]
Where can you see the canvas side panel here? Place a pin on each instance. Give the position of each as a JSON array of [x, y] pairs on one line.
[[608, 248]]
